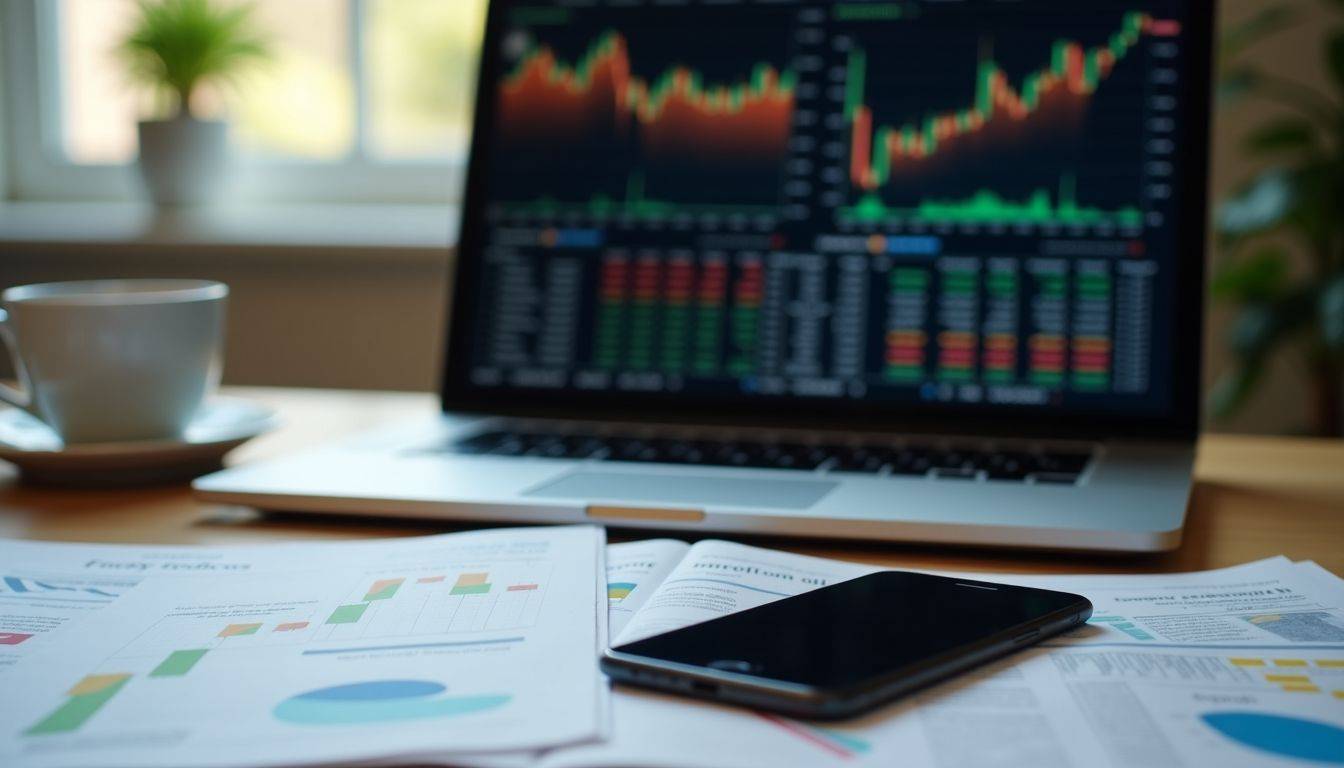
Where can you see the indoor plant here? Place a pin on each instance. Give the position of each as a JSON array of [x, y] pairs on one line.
[[1294, 206], [177, 46]]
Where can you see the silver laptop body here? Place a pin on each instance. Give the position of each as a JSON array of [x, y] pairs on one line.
[[633, 344]]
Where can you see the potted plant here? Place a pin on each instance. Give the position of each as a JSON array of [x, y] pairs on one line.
[[176, 47], [1294, 207]]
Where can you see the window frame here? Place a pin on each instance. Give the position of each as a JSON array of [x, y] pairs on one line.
[[39, 170]]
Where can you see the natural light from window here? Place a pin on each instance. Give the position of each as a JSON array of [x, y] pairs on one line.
[[415, 83]]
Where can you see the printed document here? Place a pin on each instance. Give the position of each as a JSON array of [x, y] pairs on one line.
[[1241, 666], [465, 649], [472, 642], [45, 586]]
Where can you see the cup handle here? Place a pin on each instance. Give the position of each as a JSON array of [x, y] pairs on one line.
[[19, 398]]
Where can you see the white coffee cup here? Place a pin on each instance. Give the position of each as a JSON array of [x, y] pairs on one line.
[[114, 360]]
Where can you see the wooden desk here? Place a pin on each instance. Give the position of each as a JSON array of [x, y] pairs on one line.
[[1255, 497]]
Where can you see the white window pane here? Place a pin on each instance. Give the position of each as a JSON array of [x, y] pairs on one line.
[[299, 103], [302, 101], [98, 109], [421, 66]]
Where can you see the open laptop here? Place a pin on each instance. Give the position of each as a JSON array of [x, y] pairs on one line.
[[912, 270]]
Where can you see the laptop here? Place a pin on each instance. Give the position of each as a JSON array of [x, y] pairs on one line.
[[912, 270]]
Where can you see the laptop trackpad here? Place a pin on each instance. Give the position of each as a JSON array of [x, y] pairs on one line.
[[681, 488]]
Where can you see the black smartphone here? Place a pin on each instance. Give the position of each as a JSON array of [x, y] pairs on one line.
[[843, 649]]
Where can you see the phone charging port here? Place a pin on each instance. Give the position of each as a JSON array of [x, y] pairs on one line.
[[700, 686]]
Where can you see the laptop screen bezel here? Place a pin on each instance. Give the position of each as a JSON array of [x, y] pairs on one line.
[[1181, 422]]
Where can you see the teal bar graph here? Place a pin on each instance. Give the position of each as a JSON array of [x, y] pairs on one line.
[[347, 614], [178, 663]]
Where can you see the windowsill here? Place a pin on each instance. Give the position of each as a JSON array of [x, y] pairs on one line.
[[415, 233]]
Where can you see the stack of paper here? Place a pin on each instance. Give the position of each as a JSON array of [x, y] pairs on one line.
[[1240, 666], [481, 648], [454, 644]]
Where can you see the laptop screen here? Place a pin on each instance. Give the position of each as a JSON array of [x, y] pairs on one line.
[[973, 203]]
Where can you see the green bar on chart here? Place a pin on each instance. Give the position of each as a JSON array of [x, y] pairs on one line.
[[178, 663], [470, 584], [383, 589], [347, 614], [86, 698]]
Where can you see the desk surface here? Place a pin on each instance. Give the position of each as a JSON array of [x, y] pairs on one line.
[[1254, 497]]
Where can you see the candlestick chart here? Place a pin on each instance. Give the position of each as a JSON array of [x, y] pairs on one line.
[[1039, 126], [975, 202], [614, 132]]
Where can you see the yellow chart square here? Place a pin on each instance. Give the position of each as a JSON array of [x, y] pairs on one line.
[[1248, 662], [1288, 678], [1290, 663], [95, 683], [234, 630], [1301, 688]]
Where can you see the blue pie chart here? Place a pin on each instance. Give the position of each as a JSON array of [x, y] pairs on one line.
[[381, 701], [1279, 735]]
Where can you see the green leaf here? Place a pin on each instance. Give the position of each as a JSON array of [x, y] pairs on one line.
[[1233, 387], [1260, 204], [1331, 313], [1254, 334], [1260, 326], [1252, 330], [175, 45], [1283, 135], [1334, 56], [1243, 82], [1236, 85], [1245, 34], [1257, 278], [1315, 214]]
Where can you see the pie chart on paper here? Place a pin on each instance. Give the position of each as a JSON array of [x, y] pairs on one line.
[[1293, 737], [381, 701]]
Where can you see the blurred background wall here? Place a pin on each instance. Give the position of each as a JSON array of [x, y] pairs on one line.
[[360, 319], [1282, 403]]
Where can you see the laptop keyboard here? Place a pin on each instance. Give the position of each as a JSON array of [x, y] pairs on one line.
[[910, 459]]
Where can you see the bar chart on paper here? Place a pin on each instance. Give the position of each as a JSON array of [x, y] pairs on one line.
[[418, 611], [405, 607], [464, 601], [343, 654]]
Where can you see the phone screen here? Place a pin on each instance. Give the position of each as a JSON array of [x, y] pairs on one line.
[[851, 632]]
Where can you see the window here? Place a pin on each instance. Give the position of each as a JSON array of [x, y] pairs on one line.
[[361, 100]]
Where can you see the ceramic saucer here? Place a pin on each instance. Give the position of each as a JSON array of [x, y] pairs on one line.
[[224, 423]]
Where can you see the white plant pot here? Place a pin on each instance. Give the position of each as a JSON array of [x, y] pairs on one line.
[[183, 161]]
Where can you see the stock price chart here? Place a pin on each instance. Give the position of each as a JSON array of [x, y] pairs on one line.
[[611, 118], [1019, 126], [968, 201]]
